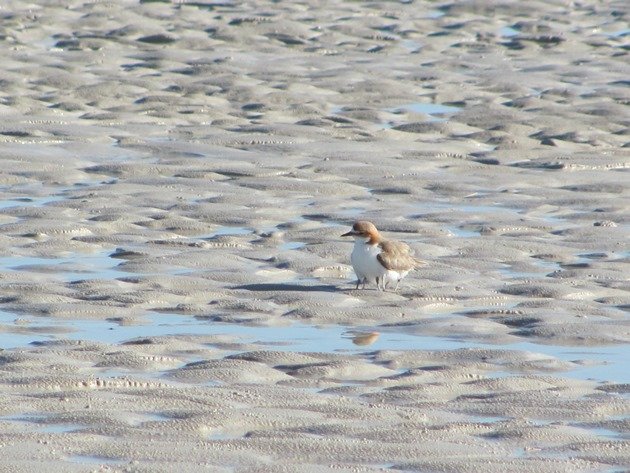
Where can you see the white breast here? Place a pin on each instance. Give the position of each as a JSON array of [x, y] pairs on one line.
[[364, 261]]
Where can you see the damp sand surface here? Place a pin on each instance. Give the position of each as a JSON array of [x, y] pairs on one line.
[[174, 291]]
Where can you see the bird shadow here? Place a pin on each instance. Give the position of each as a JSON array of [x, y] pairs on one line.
[[288, 287]]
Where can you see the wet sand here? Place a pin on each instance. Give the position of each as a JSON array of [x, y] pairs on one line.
[[174, 291]]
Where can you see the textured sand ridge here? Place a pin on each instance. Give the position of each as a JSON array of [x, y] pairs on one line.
[[174, 181]]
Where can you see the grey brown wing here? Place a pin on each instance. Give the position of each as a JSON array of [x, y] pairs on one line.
[[397, 256]]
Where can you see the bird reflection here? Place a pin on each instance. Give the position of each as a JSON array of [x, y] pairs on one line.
[[363, 338]]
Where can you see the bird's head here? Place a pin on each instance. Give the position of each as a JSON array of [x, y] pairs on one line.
[[363, 230]]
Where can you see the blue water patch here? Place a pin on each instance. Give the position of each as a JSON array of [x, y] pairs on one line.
[[430, 108], [436, 111], [619, 34], [75, 267], [292, 245], [29, 201], [603, 363], [411, 45], [226, 231], [603, 432], [461, 232], [435, 14], [597, 363], [546, 268], [508, 32]]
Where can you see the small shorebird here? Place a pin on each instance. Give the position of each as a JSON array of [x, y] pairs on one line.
[[375, 259]]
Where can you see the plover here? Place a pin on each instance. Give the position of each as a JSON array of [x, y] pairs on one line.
[[375, 259]]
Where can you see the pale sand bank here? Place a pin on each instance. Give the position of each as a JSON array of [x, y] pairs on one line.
[[174, 291]]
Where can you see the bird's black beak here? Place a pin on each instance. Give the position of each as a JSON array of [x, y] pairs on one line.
[[350, 233]]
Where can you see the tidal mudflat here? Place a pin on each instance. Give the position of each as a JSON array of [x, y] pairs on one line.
[[174, 291]]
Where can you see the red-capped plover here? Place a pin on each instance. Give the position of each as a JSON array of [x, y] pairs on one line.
[[375, 259]]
